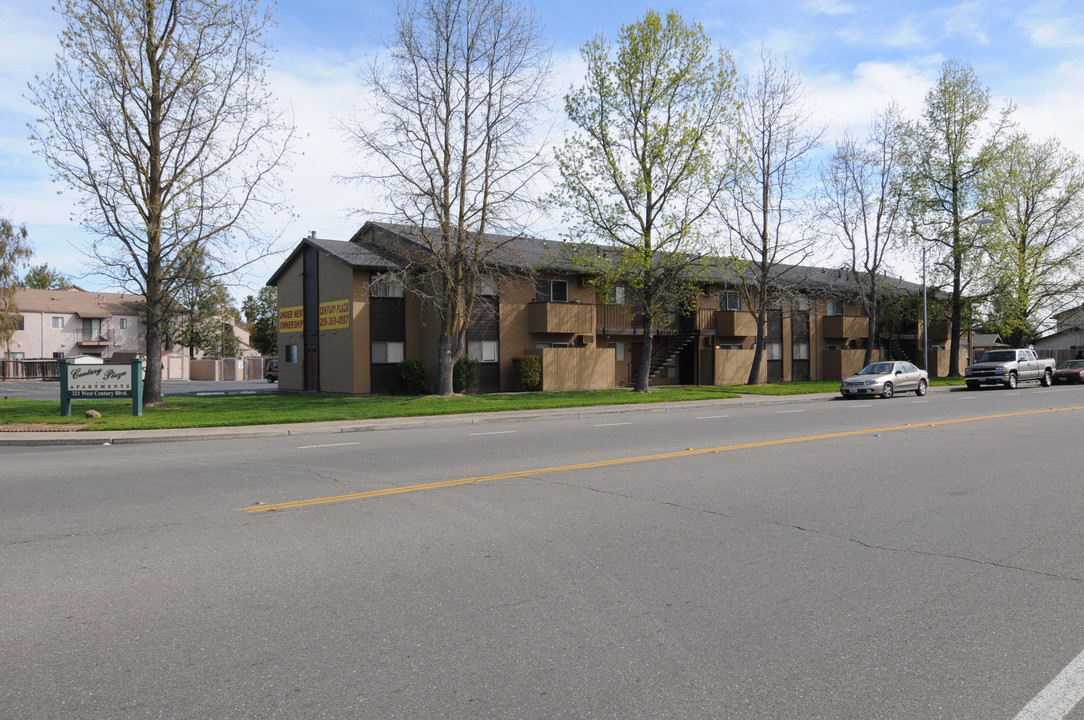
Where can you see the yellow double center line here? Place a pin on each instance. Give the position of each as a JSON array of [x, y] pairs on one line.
[[622, 461]]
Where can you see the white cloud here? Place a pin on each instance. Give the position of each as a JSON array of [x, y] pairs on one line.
[[849, 103], [828, 7]]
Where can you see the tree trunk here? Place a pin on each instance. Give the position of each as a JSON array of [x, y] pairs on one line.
[[643, 372], [758, 353]]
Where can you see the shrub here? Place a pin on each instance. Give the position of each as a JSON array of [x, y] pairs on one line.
[[412, 375], [527, 371], [464, 374]]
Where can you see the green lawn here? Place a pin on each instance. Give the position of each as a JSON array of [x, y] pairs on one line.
[[232, 410]]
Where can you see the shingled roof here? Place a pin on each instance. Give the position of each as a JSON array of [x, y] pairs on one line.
[[78, 302]]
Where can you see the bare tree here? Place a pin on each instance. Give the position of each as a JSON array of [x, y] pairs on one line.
[[448, 139], [862, 200], [159, 116], [1036, 190], [644, 170], [762, 208], [14, 253]]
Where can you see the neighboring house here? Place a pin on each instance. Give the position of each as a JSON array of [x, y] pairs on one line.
[[1067, 344], [71, 323], [344, 329], [981, 342], [1069, 319]]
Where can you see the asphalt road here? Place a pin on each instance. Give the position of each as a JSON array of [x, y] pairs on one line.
[[912, 558]]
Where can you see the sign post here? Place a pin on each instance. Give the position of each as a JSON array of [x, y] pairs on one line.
[[108, 380]]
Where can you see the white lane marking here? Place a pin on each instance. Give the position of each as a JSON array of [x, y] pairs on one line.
[[783, 412], [307, 447], [915, 402], [969, 397], [857, 406], [610, 424], [496, 432], [1058, 699], [712, 417]]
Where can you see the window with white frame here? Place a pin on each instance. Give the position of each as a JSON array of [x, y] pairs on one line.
[[835, 308], [291, 353], [800, 350], [92, 329], [14, 355], [671, 369], [58, 322], [801, 303], [730, 301], [483, 351], [619, 350], [124, 323], [387, 352], [617, 296], [773, 350], [387, 286], [488, 287]]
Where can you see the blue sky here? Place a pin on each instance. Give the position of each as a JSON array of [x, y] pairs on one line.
[[853, 56]]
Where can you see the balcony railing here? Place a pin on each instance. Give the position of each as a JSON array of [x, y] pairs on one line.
[[735, 323], [842, 326], [561, 318]]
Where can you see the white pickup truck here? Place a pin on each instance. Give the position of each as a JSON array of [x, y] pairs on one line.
[[1009, 367]]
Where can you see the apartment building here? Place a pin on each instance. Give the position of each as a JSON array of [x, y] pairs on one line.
[[73, 322], [345, 323]]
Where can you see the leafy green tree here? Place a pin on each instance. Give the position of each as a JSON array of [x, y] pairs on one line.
[[43, 277], [1036, 190], [158, 114], [862, 200], [448, 141], [952, 150], [14, 253], [262, 320], [643, 170]]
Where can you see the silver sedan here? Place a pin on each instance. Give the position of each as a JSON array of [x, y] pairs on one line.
[[886, 379]]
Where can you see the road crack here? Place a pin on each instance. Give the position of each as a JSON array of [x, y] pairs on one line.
[[94, 533]]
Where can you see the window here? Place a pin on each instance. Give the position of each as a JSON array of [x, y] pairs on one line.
[[14, 355], [488, 287], [483, 350], [800, 350], [835, 308], [291, 353], [92, 329], [729, 347], [619, 350], [58, 355], [387, 352], [670, 370], [21, 323], [124, 323], [58, 322], [774, 350], [385, 286], [617, 297], [801, 303], [552, 291], [730, 301]]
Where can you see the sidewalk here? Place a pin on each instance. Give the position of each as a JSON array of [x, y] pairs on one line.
[[119, 437]]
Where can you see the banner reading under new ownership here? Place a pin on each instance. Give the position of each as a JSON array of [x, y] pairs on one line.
[[292, 319]]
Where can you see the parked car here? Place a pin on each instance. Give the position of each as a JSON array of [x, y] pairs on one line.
[[271, 371], [1070, 371], [886, 379], [1008, 368]]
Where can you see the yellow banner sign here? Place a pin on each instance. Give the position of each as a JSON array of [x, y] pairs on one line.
[[335, 315], [292, 319]]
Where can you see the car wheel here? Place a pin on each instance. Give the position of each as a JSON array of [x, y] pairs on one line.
[[270, 379], [921, 389], [1048, 379], [1011, 382], [887, 391], [972, 386]]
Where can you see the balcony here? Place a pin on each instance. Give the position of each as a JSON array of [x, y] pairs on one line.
[[735, 323], [561, 318], [844, 327]]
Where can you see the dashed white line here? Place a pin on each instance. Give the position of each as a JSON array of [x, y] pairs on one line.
[[712, 417], [496, 432], [610, 424], [306, 447], [1058, 698], [783, 412], [857, 406]]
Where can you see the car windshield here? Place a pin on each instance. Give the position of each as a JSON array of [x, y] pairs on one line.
[[1072, 365], [999, 356], [876, 369]]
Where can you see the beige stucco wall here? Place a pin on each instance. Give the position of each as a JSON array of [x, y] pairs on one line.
[[291, 375], [338, 369], [732, 367]]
